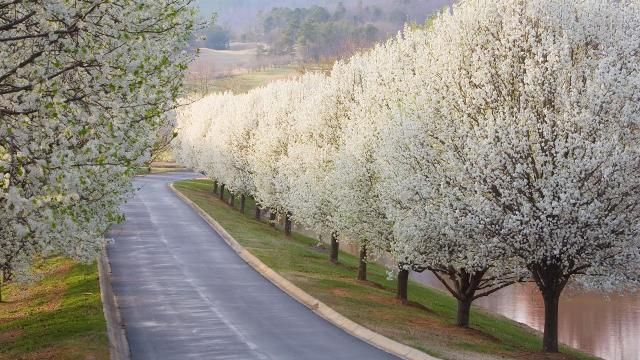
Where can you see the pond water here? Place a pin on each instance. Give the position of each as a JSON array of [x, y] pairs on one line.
[[607, 326]]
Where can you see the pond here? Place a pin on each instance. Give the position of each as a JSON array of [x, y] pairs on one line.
[[607, 326]]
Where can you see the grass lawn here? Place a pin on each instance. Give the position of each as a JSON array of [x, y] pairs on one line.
[[59, 317], [427, 323]]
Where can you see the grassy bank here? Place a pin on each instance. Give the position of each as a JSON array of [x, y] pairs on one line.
[[427, 323], [58, 317]]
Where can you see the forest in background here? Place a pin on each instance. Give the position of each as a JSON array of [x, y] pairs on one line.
[[310, 30]]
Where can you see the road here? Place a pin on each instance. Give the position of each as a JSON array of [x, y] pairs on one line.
[[185, 294]]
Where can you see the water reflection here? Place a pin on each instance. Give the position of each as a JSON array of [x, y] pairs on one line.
[[606, 326]]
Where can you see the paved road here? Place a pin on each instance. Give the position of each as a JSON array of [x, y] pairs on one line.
[[184, 294]]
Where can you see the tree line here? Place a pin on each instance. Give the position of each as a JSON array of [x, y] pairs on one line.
[[495, 145]]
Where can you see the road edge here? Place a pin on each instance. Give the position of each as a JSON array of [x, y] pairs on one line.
[[321, 309], [118, 343]]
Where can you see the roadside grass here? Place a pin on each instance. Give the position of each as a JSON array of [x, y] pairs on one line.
[[427, 323], [57, 317]]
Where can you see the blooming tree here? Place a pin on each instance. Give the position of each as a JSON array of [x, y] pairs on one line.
[[532, 135], [273, 134], [311, 154], [86, 87], [501, 142]]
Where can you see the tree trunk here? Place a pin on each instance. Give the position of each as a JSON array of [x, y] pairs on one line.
[[243, 200], [288, 224], [362, 266], [272, 218], [222, 192], [551, 281], [550, 339], [215, 186], [464, 312], [257, 212], [335, 247], [402, 292], [1, 283], [232, 201]]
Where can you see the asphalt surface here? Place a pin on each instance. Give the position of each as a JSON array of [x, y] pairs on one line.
[[185, 294]]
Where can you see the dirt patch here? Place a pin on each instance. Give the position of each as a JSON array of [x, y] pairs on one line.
[[26, 299], [465, 334], [339, 292], [542, 356], [10, 335], [370, 284], [392, 301], [419, 306], [59, 353]]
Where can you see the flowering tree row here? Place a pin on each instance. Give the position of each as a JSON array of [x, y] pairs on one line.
[[498, 144], [85, 87]]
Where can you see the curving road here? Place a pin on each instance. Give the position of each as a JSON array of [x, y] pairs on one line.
[[184, 294]]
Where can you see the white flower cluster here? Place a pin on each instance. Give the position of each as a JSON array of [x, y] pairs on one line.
[[85, 86], [498, 143]]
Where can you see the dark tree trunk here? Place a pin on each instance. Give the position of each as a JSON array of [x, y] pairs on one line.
[[463, 286], [550, 339], [362, 265], [232, 200], [5, 276], [222, 192], [464, 312], [551, 281], [215, 186], [402, 293], [335, 247], [243, 200], [272, 218], [257, 214], [288, 224]]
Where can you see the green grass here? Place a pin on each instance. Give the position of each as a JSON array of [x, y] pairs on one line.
[[427, 323], [58, 317]]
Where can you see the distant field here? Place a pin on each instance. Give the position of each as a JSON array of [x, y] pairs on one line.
[[213, 63], [244, 82], [240, 58], [238, 70]]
